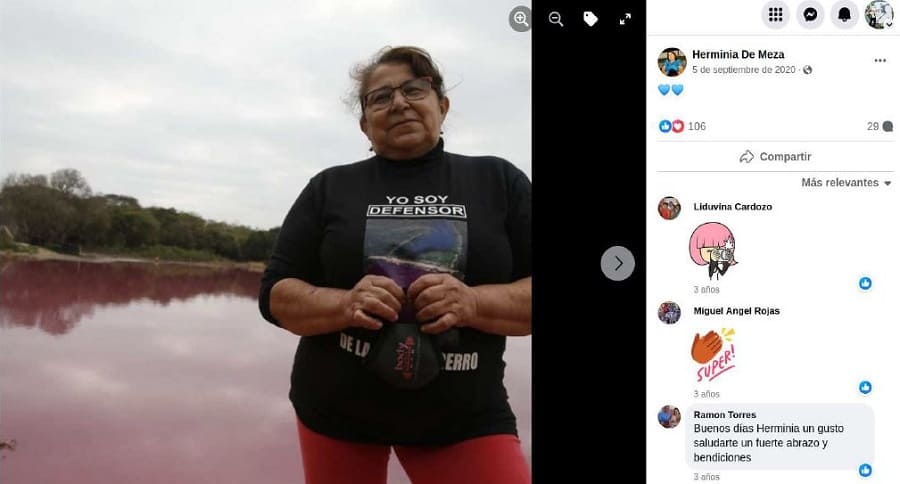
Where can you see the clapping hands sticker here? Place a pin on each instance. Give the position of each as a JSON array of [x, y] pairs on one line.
[[714, 352]]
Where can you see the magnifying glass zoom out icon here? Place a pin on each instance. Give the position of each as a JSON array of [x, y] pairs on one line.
[[555, 18]]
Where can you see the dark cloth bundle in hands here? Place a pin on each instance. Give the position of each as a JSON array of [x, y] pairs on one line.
[[401, 354], [404, 357]]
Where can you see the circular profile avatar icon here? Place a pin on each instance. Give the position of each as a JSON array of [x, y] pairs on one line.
[[669, 416], [669, 208], [879, 14], [669, 312], [672, 62]]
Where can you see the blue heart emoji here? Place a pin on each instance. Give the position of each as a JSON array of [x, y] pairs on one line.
[[664, 89], [677, 89]]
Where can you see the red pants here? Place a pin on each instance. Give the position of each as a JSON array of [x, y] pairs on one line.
[[492, 459]]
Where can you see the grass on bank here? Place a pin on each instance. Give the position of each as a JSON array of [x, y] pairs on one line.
[[17, 247], [161, 252]]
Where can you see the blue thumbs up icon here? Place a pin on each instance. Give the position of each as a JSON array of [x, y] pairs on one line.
[[865, 470], [865, 387], [865, 283]]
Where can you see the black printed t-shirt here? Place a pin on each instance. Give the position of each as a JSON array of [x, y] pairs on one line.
[[468, 216]]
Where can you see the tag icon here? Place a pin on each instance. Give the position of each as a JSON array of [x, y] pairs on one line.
[[590, 18]]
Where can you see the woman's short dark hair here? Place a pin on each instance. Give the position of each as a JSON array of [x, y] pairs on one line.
[[419, 61]]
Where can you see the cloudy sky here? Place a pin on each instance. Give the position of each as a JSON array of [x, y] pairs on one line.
[[226, 108]]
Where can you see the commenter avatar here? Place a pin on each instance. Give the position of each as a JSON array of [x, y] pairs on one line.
[[669, 416], [669, 312], [669, 208]]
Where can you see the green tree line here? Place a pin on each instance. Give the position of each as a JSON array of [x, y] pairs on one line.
[[61, 211]]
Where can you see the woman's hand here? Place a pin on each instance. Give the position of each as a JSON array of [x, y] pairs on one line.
[[372, 297], [444, 298]]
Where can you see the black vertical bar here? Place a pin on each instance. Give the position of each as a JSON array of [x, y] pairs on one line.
[[589, 172]]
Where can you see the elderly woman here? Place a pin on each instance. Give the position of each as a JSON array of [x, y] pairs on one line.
[[672, 66], [403, 274]]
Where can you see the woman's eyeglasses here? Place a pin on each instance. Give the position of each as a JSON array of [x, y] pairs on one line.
[[412, 90]]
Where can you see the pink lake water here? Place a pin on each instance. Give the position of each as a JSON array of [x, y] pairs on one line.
[[142, 373]]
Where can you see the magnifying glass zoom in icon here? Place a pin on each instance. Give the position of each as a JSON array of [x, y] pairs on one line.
[[520, 18], [555, 18]]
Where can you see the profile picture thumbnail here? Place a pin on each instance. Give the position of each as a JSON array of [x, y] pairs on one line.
[[669, 312], [879, 14], [669, 416], [672, 62], [669, 208]]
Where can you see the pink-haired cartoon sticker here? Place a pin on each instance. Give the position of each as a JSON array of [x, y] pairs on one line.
[[712, 245]]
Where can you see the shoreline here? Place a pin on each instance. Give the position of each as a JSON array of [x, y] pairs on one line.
[[99, 258]]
